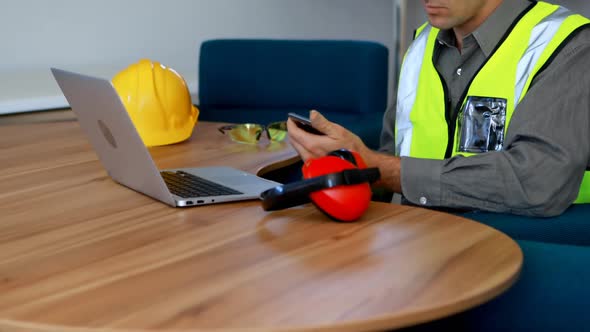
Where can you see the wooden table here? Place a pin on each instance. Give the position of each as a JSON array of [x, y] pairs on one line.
[[80, 251]]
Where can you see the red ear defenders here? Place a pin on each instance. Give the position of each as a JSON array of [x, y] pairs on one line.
[[338, 184]]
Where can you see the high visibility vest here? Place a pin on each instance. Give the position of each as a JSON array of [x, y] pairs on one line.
[[422, 129]]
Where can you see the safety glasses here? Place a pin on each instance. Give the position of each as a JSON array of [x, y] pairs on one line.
[[250, 133]]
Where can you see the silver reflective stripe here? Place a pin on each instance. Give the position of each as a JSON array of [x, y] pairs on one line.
[[541, 35], [406, 93]]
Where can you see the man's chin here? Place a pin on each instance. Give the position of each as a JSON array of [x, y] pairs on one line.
[[440, 22]]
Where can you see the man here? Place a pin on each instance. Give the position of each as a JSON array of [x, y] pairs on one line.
[[493, 111]]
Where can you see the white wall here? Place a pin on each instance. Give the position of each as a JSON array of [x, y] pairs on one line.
[[102, 37]]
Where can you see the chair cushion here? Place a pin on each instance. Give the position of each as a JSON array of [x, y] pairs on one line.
[[328, 75], [571, 227]]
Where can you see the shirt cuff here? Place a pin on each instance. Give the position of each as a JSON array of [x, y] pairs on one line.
[[420, 180]]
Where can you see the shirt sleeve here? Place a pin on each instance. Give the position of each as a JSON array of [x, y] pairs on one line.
[[546, 150], [387, 140]]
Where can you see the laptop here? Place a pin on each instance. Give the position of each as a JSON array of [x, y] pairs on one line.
[[102, 116]]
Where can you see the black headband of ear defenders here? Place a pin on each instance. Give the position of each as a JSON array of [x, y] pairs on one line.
[[297, 193]]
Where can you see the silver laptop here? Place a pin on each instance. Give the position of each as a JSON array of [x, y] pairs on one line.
[[119, 147]]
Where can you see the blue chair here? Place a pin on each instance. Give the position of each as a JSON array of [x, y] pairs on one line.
[[551, 295], [571, 227], [261, 80]]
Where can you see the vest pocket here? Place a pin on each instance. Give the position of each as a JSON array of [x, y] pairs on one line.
[[481, 124]]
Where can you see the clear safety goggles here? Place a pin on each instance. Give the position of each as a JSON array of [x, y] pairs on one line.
[[250, 133]]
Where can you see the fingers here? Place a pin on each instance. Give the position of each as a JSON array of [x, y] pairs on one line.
[[315, 146], [303, 153], [319, 122], [306, 144]]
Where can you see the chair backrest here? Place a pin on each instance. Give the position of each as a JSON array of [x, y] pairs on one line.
[[330, 75]]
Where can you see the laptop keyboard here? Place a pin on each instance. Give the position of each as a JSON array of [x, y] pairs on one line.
[[186, 185]]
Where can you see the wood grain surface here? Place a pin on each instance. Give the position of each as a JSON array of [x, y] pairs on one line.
[[79, 252]]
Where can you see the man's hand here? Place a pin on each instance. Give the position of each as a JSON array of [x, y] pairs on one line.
[[314, 146], [337, 137]]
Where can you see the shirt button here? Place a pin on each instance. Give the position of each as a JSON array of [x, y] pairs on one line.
[[459, 71], [423, 200]]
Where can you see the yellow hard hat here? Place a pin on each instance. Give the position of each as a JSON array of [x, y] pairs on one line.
[[158, 102]]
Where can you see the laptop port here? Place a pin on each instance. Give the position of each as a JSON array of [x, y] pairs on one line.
[[200, 201]]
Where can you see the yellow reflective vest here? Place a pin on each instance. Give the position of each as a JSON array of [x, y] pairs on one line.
[[422, 129]]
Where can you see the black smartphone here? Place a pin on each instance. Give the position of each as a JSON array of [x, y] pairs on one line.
[[304, 123]]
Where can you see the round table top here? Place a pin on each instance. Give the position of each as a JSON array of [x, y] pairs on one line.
[[234, 267], [79, 252]]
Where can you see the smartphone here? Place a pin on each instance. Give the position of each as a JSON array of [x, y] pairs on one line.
[[304, 123]]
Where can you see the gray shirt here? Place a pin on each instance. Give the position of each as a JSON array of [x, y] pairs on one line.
[[547, 144]]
